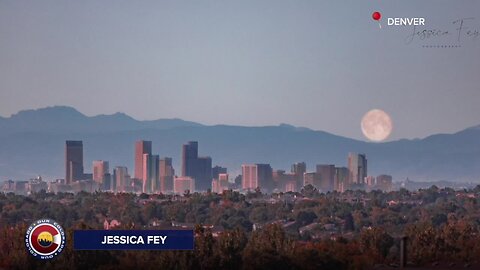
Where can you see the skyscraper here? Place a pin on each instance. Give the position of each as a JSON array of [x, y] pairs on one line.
[[146, 183], [311, 178], [100, 170], [223, 180], [370, 181], [357, 168], [384, 182], [257, 175], [291, 186], [121, 179], [203, 176], [218, 170], [189, 158], [281, 180], [249, 177], [167, 173], [199, 168], [299, 169], [155, 173], [141, 148], [326, 174], [221, 183], [73, 161], [341, 179], [183, 184], [150, 178]]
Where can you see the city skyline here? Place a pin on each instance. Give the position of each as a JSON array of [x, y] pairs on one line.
[[112, 138], [159, 176]]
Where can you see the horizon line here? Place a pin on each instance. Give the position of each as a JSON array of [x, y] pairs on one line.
[[230, 125]]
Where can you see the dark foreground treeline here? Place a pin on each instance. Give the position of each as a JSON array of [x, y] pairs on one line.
[[441, 225], [268, 248]]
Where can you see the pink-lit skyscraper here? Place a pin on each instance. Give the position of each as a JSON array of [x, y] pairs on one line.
[[141, 148], [220, 183], [257, 175], [183, 184], [100, 169]]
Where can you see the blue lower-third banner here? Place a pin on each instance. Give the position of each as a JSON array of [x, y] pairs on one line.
[[133, 239]]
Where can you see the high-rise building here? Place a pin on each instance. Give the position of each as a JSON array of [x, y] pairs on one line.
[[108, 183], [167, 173], [85, 185], [189, 158], [183, 184], [21, 187], [249, 177], [121, 179], [370, 181], [311, 178], [146, 183], [203, 176], [199, 168], [299, 169], [357, 167], [155, 173], [281, 179], [100, 170], [36, 185], [384, 182], [341, 179], [257, 175], [8, 186], [215, 186], [223, 179], [221, 183], [326, 175], [218, 170], [136, 185], [73, 161], [291, 186], [151, 173], [141, 148]]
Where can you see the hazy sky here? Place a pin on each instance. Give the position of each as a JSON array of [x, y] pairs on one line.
[[318, 64]]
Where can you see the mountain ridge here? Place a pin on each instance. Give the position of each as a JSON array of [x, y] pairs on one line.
[[31, 145]]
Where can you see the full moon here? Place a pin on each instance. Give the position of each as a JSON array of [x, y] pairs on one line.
[[376, 125]]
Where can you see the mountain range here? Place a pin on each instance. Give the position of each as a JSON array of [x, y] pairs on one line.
[[32, 143]]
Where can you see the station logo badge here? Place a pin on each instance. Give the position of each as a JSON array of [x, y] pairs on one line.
[[45, 239]]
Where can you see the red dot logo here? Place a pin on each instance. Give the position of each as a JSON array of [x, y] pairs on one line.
[[376, 16]]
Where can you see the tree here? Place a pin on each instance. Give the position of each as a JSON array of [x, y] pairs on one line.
[[376, 242], [305, 217], [268, 248], [309, 191], [349, 226]]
